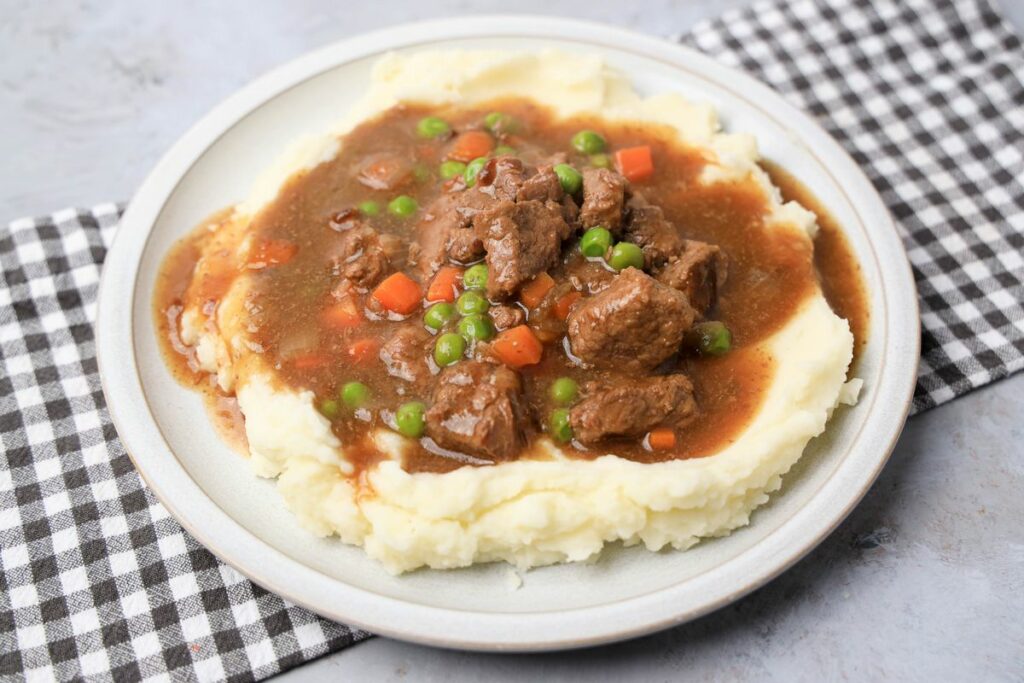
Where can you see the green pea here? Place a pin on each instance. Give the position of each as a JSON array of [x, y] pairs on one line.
[[559, 427], [369, 208], [355, 394], [409, 418], [498, 122], [626, 254], [475, 277], [448, 349], [474, 328], [431, 127], [421, 173], [600, 161], [330, 409], [438, 315], [595, 242], [588, 142], [450, 169], [402, 206], [472, 301], [713, 338], [504, 150], [473, 169], [563, 391], [569, 177]]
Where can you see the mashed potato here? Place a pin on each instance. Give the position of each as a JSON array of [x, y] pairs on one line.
[[527, 512]]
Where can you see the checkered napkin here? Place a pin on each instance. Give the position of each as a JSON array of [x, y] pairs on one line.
[[98, 582], [927, 96]]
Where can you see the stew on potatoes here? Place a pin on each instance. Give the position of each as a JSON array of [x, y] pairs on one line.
[[475, 278]]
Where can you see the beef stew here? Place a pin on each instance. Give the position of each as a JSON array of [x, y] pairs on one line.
[[473, 287]]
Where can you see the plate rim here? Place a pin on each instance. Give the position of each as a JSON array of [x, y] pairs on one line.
[[381, 614]]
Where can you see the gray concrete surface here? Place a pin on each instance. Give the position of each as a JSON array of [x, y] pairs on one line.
[[925, 580]]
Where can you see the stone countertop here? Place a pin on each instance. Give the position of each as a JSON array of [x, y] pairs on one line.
[[922, 582]]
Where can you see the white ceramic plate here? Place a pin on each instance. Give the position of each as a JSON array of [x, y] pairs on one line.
[[211, 491]]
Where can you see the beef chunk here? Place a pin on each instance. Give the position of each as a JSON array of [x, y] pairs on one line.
[[446, 232], [363, 256], [464, 245], [698, 273], [631, 406], [634, 324], [570, 212], [522, 240], [604, 195], [507, 317], [648, 228], [478, 408], [507, 178], [521, 210], [541, 186], [501, 178], [405, 354]]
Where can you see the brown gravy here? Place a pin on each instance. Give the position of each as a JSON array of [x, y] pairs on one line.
[[838, 271], [175, 283], [770, 274]]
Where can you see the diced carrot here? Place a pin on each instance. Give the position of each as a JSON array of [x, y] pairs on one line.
[[270, 253], [565, 304], [308, 361], [342, 314], [518, 347], [470, 145], [362, 351], [534, 291], [661, 439], [382, 167], [385, 172], [445, 284], [635, 163], [399, 293]]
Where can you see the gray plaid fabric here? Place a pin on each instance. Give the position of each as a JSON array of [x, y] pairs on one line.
[[98, 583], [927, 96]]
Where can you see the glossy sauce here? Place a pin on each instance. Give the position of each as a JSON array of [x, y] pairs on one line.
[[175, 283], [838, 271], [771, 272]]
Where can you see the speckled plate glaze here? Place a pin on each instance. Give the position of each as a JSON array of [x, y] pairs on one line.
[[629, 591]]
